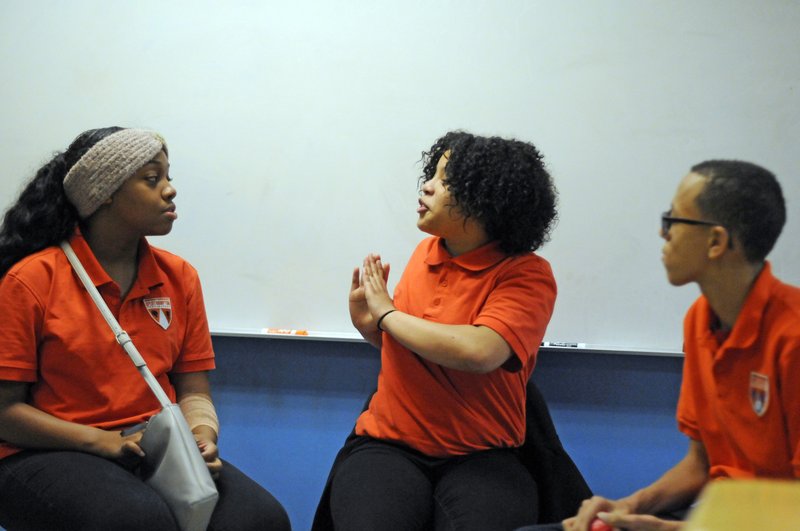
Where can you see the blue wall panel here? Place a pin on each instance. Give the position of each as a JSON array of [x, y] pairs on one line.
[[287, 405]]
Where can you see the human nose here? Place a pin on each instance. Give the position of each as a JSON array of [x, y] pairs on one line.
[[169, 191], [426, 188]]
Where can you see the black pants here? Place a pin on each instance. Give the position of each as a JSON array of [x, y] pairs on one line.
[[389, 487], [542, 527], [65, 491]]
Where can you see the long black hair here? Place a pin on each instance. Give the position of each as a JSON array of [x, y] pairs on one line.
[[42, 215]]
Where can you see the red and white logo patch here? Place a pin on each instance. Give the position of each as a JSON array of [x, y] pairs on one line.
[[160, 310], [759, 393]]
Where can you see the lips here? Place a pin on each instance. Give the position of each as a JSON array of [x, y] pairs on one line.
[[171, 213], [422, 208]]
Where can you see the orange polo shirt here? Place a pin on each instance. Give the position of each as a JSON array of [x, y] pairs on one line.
[[53, 336], [741, 397], [445, 412]]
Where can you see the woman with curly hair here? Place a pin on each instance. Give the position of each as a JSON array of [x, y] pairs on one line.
[[67, 391], [436, 448]]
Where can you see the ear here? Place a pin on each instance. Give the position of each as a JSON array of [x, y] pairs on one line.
[[104, 205], [719, 242]]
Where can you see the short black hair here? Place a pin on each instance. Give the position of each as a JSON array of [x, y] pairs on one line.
[[747, 200], [502, 183]]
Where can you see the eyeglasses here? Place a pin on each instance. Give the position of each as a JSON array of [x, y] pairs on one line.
[[667, 221]]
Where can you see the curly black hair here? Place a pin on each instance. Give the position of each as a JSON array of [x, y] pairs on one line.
[[42, 215], [747, 200], [502, 183]]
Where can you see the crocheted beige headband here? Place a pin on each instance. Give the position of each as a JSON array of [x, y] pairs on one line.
[[107, 164]]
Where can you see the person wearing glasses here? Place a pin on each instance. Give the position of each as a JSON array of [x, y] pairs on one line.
[[740, 396]]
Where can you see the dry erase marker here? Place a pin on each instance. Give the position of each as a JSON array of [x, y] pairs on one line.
[[286, 331], [562, 344]]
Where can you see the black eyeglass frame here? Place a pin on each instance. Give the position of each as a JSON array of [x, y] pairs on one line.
[[667, 221]]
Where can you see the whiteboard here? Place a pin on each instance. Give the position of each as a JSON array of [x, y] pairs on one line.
[[296, 128]]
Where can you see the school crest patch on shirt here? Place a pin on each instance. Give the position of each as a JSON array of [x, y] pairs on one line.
[[160, 309], [759, 393]]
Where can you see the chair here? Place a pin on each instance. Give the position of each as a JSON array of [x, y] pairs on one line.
[[561, 486]]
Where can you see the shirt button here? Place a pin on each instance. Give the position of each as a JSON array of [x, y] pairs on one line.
[[444, 283], [436, 301]]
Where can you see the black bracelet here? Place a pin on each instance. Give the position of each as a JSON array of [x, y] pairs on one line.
[[382, 317]]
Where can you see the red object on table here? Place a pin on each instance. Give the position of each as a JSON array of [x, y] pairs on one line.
[[599, 525]]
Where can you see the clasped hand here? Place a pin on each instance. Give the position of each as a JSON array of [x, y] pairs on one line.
[[617, 515], [126, 449], [369, 296]]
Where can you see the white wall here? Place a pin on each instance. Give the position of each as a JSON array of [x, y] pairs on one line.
[[295, 129]]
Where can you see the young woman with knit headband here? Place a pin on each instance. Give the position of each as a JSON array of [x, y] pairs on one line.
[[67, 390]]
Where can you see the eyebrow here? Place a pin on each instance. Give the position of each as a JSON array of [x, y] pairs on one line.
[[157, 162]]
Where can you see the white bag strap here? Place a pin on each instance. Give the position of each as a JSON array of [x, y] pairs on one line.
[[122, 336]]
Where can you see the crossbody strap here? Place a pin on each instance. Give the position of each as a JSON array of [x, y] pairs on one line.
[[122, 337]]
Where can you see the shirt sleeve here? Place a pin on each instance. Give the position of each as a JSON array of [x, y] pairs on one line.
[[21, 317], [790, 397], [520, 306], [686, 413], [197, 353]]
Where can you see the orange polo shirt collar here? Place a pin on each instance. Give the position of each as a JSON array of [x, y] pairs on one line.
[[745, 331], [148, 275], [478, 259]]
